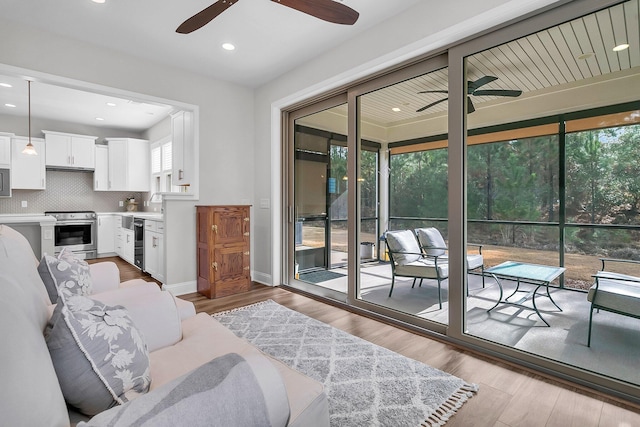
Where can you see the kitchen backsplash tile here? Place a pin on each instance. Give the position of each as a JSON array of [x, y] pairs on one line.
[[66, 191]]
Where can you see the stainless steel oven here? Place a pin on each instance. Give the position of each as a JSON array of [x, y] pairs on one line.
[[76, 231]]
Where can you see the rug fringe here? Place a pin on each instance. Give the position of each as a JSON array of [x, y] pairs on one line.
[[244, 307], [445, 411]]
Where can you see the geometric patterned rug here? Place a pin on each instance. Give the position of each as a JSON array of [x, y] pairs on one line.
[[366, 385]]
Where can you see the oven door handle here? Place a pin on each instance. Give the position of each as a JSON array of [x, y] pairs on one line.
[[59, 223]]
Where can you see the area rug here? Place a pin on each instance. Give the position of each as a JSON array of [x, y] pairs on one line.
[[320, 276], [366, 385]]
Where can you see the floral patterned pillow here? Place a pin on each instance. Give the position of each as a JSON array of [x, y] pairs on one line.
[[68, 274], [100, 358]]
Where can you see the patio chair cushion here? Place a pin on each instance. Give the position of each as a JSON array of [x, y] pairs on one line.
[[403, 246], [617, 294], [424, 268], [431, 238], [474, 261]]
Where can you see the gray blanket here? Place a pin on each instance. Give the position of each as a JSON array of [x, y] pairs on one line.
[[227, 391]]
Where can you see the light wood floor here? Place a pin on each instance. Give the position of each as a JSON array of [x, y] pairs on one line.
[[508, 396]]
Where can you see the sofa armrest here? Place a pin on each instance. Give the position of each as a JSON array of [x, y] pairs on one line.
[[105, 276]]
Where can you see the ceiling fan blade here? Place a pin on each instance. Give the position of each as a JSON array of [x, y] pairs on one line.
[[470, 107], [205, 16], [434, 91], [327, 10], [497, 92], [430, 105], [471, 86]]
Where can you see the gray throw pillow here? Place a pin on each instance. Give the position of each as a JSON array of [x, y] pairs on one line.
[[70, 275], [404, 246], [99, 356], [431, 238]]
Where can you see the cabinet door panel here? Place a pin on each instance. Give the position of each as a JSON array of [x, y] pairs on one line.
[[232, 226], [83, 152]]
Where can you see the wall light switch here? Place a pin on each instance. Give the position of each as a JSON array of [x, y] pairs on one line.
[[121, 203], [24, 203], [264, 203]]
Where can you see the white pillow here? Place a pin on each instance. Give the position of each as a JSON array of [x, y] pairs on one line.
[[403, 241], [431, 238]]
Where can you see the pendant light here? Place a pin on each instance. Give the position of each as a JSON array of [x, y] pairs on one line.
[[29, 149]]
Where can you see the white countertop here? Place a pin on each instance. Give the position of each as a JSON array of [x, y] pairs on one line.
[[157, 216], [26, 219]]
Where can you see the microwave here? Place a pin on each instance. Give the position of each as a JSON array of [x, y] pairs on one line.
[[5, 183]]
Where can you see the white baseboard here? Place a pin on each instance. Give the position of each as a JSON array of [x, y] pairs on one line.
[[263, 278], [181, 288]]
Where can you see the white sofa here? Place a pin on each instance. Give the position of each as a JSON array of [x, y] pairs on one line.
[[31, 394]]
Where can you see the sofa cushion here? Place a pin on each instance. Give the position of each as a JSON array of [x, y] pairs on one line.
[[68, 274], [99, 356], [226, 391]]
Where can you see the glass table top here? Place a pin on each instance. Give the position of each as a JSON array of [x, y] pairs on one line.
[[522, 270]]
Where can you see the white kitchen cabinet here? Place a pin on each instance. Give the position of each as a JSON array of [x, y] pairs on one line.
[[27, 171], [183, 146], [107, 234], [5, 150], [69, 151], [128, 245], [101, 172], [129, 164], [154, 249], [119, 238]]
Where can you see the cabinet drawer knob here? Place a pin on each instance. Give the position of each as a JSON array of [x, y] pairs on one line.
[[246, 268], [246, 253], [246, 219], [214, 265], [214, 228], [246, 234]]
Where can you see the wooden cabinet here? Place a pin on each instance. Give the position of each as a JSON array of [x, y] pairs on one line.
[[154, 249], [27, 171], [128, 164], [69, 151], [223, 244]]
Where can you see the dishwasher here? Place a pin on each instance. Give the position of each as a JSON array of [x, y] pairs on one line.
[[138, 246]]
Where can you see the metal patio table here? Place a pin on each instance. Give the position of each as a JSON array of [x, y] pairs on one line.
[[522, 272]]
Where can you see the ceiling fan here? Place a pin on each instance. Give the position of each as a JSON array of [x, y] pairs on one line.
[[473, 88], [327, 10]]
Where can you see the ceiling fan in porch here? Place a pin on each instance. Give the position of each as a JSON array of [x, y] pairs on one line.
[[327, 10], [473, 88]]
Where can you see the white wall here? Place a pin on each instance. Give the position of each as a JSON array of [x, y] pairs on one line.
[[226, 121], [426, 28]]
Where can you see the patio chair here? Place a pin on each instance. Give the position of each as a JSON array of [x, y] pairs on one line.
[[433, 244], [614, 292], [408, 260]]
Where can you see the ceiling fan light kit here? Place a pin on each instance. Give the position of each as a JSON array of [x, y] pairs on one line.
[[327, 10]]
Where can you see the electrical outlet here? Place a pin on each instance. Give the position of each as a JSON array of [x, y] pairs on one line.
[[24, 203], [121, 203]]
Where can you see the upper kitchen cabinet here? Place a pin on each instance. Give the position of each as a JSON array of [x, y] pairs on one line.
[[70, 151], [101, 172], [27, 170], [5, 150], [182, 141], [129, 161]]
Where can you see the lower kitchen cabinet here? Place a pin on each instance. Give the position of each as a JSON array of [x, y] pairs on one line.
[[223, 244], [154, 249], [107, 234]]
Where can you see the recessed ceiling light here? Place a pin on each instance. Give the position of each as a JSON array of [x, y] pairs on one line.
[[620, 47], [10, 105], [228, 46], [111, 104], [396, 109], [98, 1], [5, 85], [586, 55], [100, 119]]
